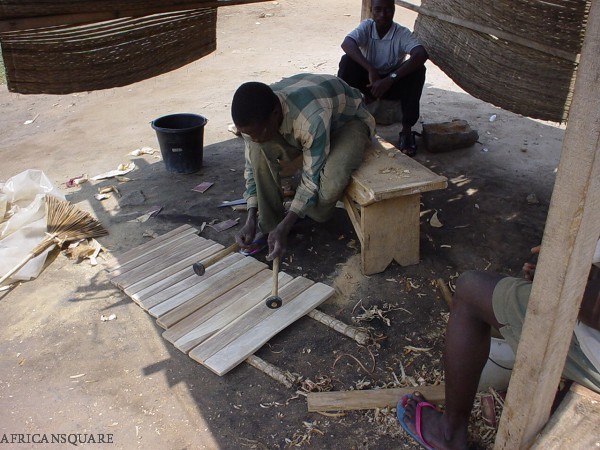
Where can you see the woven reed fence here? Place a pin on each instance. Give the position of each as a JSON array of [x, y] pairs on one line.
[[85, 45], [520, 55]]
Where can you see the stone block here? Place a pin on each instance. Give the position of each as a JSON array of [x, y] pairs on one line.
[[386, 112], [446, 136]]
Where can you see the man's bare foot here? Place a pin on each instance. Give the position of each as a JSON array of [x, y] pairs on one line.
[[433, 425]]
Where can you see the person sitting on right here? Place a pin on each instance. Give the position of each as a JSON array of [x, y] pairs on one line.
[[483, 300]]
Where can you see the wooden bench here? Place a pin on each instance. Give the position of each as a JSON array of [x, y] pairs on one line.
[[382, 201]]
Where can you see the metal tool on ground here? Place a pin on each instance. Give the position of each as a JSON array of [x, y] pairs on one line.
[[274, 301], [201, 266]]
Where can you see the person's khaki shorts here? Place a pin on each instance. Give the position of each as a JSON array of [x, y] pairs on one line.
[[509, 301]]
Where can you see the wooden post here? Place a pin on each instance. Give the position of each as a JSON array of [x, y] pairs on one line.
[[366, 10], [570, 235]]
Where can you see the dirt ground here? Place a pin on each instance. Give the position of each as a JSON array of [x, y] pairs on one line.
[[137, 386]]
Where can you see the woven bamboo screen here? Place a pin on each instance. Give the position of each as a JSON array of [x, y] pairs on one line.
[[85, 45], [525, 58]]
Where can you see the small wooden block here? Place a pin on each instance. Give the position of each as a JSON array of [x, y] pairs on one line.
[[574, 424]]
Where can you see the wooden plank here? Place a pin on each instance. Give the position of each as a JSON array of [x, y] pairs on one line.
[[365, 12], [175, 274], [248, 287], [381, 177], [172, 269], [205, 329], [574, 424], [183, 248], [369, 399], [151, 301], [354, 215], [249, 320], [245, 345], [570, 236], [176, 308], [135, 252], [165, 249]]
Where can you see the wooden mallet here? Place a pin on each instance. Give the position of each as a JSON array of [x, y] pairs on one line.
[[201, 266], [274, 301]]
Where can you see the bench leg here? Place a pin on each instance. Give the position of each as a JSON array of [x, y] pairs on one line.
[[388, 230]]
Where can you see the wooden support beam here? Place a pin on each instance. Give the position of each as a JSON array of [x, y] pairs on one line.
[[570, 235], [365, 12], [369, 399]]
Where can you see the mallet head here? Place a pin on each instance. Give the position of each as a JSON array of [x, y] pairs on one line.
[[198, 269], [273, 302]]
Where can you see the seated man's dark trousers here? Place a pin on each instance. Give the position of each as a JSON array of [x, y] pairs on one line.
[[407, 89]]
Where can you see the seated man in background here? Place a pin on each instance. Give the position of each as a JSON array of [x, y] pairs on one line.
[[374, 62], [483, 300], [318, 117]]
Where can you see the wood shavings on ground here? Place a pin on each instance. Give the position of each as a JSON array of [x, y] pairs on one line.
[[375, 312], [84, 249], [250, 443], [384, 421], [323, 384], [303, 437], [435, 221]]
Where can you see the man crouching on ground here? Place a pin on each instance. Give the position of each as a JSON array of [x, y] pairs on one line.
[[317, 116]]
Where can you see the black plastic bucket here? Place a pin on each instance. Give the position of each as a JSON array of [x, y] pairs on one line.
[[181, 140]]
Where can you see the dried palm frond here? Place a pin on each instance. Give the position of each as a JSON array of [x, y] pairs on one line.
[[65, 222]]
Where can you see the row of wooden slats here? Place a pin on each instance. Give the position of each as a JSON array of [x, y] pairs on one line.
[[220, 318]]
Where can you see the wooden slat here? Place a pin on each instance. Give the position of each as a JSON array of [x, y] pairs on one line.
[[249, 320], [191, 280], [182, 305], [166, 248], [134, 253], [369, 399], [174, 275], [181, 250], [172, 269], [229, 314], [252, 288], [246, 344], [570, 236]]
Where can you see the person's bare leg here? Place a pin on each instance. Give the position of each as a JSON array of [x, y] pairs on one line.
[[467, 350]]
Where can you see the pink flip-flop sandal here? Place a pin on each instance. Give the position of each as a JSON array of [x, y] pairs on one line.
[[400, 410]]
